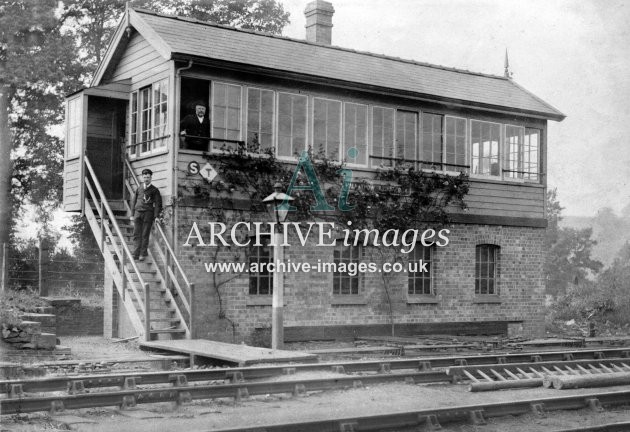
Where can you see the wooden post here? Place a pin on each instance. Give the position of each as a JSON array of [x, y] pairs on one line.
[[42, 267], [167, 278], [102, 226], [147, 313], [4, 279], [277, 309], [122, 272], [191, 328]]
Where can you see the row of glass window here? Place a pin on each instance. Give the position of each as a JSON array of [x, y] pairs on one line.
[[383, 136], [419, 282]]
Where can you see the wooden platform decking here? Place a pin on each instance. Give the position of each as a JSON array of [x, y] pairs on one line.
[[243, 355]]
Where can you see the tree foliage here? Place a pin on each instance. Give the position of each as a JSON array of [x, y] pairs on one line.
[[569, 251], [93, 22], [37, 67]]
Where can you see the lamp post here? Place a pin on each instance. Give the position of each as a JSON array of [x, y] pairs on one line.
[[279, 215]]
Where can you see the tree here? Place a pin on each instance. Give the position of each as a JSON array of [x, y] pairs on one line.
[[569, 251], [94, 21], [35, 62]]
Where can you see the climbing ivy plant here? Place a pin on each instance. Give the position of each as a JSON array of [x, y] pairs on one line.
[[399, 197]]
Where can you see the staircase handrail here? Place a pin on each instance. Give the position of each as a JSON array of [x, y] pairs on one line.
[[171, 254], [112, 218]]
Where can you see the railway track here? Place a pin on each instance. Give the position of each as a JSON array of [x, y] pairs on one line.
[[182, 392], [83, 391], [433, 419], [86, 381]]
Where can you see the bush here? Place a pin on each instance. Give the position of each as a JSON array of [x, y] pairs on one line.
[[13, 303]]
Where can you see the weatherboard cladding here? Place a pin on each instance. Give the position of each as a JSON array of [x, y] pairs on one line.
[[223, 43]]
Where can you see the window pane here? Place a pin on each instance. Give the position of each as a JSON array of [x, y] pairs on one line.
[[455, 144], [432, 140], [259, 119], [226, 113], [291, 124], [406, 127], [343, 282], [485, 148], [327, 127], [420, 280], [382, 137], [486, 269], [530, 154], [260, 283]]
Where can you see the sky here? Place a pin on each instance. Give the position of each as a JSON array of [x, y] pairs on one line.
[[575, 55]]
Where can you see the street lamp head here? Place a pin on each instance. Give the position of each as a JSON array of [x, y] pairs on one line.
[[274, 203]]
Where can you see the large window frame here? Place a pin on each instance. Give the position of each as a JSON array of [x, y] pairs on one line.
[[489, 164], [355, 135], [343, 283], [227, 115], [421, 284], [291, 128], [487, 260], [148, 118], [384, 154], [260, 123], [406, 143], [260, 283], [328, 128], [531, 155]]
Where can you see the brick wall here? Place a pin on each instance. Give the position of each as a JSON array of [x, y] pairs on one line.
[[308, 296], [76, 319]]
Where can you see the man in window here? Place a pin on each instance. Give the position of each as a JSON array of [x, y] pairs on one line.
[[195, 128], [145, 208]]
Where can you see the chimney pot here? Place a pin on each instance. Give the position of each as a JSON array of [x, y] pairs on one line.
[[319, 21]]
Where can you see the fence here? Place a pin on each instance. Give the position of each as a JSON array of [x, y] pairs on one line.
[[49, 274]]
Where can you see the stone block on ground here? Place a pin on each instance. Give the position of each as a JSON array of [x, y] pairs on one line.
[[45, 341], [62, 349]]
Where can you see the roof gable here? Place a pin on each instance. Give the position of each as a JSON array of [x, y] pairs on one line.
[[183, 37]]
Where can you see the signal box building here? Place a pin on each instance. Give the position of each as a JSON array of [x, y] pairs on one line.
[[292, 95]]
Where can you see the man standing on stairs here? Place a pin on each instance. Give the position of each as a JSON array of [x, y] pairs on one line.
[[146, 206]]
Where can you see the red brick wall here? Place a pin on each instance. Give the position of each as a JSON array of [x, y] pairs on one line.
[[308, 296]]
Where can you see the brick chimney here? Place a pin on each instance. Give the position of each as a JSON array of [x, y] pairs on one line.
[[319, 21]]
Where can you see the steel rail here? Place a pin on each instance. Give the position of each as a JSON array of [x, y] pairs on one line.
[[182, 392], [432, 419], [607, 427], [259, 372]]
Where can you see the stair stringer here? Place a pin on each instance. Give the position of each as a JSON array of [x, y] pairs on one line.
[[110, 265]]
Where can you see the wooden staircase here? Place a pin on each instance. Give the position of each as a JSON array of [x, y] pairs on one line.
[[161, 316]]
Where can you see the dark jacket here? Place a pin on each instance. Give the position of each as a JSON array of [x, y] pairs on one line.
[[147, 200], [191, 125]]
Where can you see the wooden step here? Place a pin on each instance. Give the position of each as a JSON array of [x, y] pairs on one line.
[[116, 205], [166, 320], [172, 331]]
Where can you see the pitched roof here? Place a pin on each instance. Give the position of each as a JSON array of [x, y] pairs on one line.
[[186, 37]]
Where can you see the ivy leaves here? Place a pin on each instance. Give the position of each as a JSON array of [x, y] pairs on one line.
[[393, 198]]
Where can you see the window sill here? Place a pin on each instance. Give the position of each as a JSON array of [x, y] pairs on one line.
[[423, 299], [495, 179], [259, 300], [487, 298], [148, 154], [350, 299]]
